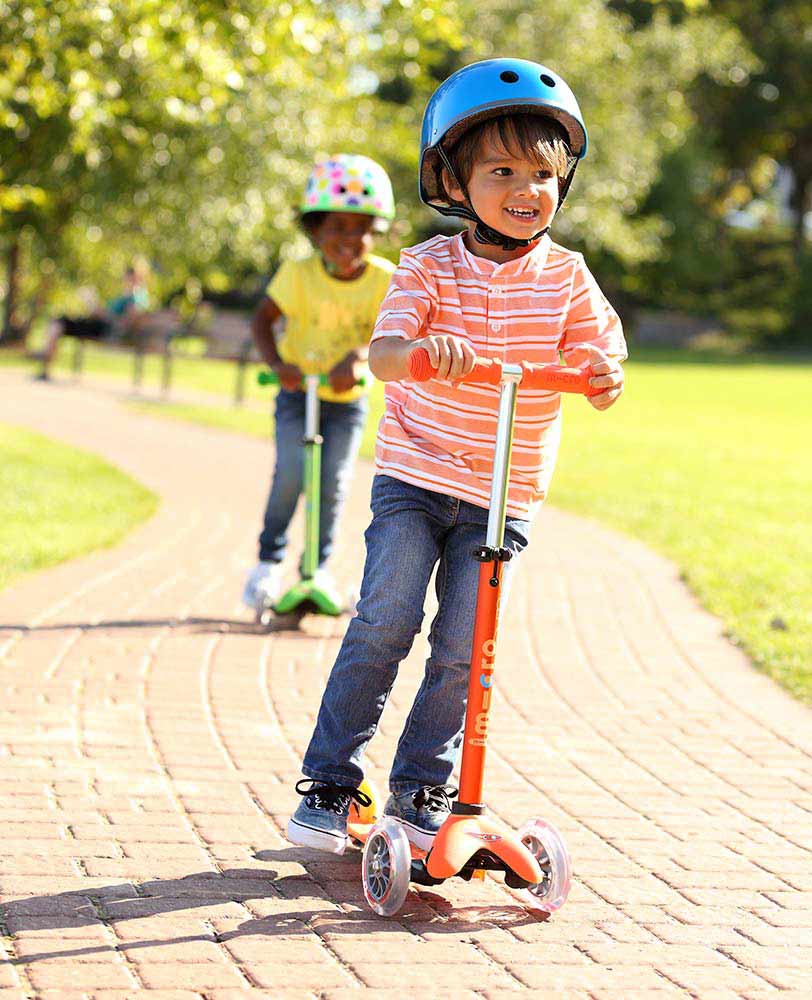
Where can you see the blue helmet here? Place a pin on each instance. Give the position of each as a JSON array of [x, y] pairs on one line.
[[486, 90]]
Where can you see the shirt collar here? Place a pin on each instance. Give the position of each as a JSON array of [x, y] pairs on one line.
[[536, 259]]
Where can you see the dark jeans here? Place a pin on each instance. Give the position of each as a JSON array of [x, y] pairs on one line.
[[412, 529], [342, 426]]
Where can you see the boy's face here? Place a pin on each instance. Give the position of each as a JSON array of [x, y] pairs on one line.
[[344, 239], [512, 193]]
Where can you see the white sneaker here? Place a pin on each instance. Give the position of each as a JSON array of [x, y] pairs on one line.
[[263, 585], [324, 580]]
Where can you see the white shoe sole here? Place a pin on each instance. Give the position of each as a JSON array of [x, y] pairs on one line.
[[321, 840], [421, 839]]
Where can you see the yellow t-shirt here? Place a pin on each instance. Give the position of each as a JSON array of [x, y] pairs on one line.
[[326, 318]]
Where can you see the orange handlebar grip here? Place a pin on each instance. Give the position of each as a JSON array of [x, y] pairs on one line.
[[484, 370], [420, 367], [556, 378], [559, 379]]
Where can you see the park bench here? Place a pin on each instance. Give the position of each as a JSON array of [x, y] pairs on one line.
[[227, 335], [229, 338]]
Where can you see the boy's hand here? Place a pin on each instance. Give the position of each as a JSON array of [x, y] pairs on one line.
[[608, 373], [290, 377], [346, 374], [453, 357]]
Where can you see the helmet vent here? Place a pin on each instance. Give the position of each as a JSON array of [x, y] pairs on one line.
[[548, 81], [508, 76]]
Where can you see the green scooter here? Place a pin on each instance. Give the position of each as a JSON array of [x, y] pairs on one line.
[[307, 594]]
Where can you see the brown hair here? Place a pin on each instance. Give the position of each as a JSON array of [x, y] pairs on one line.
[[518, 135]]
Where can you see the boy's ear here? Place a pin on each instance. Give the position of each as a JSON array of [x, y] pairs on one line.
[[451, 187]]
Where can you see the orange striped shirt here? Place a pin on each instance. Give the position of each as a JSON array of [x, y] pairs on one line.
[[441, 437]]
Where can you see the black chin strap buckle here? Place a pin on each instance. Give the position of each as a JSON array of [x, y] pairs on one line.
[[485, 234]]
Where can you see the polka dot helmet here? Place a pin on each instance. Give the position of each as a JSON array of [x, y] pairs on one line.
[[349, 183]]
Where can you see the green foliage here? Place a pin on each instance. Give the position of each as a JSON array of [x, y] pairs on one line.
[[630, 87], [183, 131], [753, 281], [747, 121], [178, 131]]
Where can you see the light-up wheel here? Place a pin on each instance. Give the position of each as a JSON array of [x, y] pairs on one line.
[[386, 867], [547, 845]]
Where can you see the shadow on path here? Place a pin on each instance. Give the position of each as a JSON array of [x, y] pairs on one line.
[[236, 626], [122, 901]]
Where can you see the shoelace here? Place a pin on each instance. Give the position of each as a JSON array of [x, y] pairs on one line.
[[333, 798], [435, 798]]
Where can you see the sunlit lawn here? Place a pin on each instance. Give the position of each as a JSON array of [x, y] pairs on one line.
[[710, 463], [59, 502], [706, 459], [190, 371]]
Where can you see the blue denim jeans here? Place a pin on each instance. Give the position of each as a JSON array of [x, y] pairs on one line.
[[341, 427], [412, 529]]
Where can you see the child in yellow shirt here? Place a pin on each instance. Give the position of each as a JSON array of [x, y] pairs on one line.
[[317, 319]]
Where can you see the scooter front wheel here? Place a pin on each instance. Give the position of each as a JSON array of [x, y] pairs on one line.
[[547, 845], [386, 867]]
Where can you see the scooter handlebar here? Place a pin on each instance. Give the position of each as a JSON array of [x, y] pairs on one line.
[[557, 378], [268, 377]]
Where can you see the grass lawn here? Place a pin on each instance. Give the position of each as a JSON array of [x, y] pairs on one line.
[[59, 502], [709, 462], [190, 371]]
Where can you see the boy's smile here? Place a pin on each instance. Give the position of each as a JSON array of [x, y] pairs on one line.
[[344, 240], [516, 195]]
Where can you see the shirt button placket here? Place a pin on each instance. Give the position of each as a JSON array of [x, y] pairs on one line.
[[496, 296]]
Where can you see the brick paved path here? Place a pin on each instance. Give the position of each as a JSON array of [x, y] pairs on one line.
[[150, 736]]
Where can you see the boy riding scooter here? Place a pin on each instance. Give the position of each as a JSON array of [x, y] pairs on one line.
[[500, 144], [316, 320]]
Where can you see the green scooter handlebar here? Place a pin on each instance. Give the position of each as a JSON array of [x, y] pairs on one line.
[[271, 378]]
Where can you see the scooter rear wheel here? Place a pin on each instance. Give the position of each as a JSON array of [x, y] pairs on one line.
[[386, 867], [547, 845]]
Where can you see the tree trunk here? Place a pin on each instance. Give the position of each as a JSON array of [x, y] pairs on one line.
[[12, 331], [803, 183]]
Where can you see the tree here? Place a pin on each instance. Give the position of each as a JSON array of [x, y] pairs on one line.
[[631, 82], [180, 130], [183, 129]]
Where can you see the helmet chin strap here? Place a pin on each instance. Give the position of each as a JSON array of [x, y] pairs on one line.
[[483, 233]]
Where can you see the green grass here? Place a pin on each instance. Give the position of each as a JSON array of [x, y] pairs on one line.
[[59, 502], [190, 371], [253, 422], [708, 461]]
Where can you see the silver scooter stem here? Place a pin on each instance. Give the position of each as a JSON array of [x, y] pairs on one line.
[[311, 407], [497, 509]]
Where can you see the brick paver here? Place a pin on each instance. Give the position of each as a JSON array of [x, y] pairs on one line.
[[150, 736]]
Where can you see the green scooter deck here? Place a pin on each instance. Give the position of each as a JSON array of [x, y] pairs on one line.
[[305, 595], [327, 602]]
